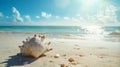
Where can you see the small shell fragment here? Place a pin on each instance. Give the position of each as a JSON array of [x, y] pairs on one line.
[[57, 56], [73, 63], [63, 65], [71, 60]]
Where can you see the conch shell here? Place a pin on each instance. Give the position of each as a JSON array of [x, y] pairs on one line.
[[33, 46]]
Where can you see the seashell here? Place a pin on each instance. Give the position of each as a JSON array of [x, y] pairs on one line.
[[57, 56], [33, 46], [63, 65], [73, 63], [71, 59]]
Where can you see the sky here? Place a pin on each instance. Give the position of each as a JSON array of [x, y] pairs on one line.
[[59, 12]]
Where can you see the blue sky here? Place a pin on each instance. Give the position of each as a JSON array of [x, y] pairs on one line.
[[59, 12]]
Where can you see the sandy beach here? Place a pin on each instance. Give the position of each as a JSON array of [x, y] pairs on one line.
[[60, 33], [84, 53]]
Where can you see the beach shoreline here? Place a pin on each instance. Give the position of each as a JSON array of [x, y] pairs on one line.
[[86, 53]]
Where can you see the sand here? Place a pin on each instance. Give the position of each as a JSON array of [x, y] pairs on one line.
[[85, 53]]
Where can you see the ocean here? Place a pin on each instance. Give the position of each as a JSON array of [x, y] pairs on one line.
[[62, 29], [109, 32]]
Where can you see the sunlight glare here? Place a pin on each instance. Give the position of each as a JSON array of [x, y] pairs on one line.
[[93, 29], [89, 3]]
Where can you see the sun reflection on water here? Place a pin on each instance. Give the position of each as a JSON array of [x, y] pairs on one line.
[[93, 29], [94, 32]]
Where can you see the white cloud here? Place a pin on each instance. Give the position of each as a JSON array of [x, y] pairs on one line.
[[28, 18], [17, 17], [66, 18], [44, 14], [1, 14], [104, 16], [108, 15], [37, 17], [75, 19], [57, 17], [82, 19]]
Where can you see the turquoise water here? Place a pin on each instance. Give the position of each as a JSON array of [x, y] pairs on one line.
[[108, 33], [61, 29]]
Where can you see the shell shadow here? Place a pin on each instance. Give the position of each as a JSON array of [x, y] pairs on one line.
[[18, 60]]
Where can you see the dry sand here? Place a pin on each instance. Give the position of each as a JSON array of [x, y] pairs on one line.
[[84, 53]]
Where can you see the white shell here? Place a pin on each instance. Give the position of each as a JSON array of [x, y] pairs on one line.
[[33, 46], [56, 56]]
